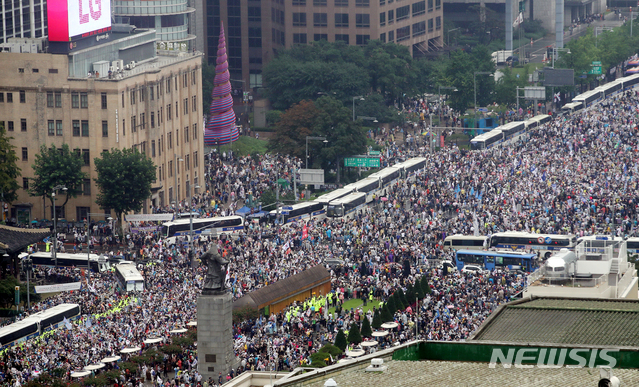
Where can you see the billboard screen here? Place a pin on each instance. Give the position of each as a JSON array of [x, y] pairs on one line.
[[75, 19], [559, 77]]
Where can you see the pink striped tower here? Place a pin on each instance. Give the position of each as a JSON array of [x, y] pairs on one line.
[[220, 128]]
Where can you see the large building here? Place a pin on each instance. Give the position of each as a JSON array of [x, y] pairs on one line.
[[255, 30], [23, 19], [117, 92]]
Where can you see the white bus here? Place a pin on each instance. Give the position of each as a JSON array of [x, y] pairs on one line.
[[465, 242], [544, 244], [36, 324], [408, 169], [336, 194], [45, 258], [370, 186], [129, 278], [229, 225], [347, 207], [387, 177], [632, 245], [299, 211]]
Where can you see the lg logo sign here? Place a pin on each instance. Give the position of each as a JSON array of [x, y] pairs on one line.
[[95, 10]]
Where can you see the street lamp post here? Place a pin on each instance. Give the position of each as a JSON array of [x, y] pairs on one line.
[[555, 50], [314, 138], [191, 254], [55, 223], [361, 98], [475, 74], [175, 169], [89, 215]]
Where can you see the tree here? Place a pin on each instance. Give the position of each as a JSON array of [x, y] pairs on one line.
[[390, 305], [354, 336], [292, 128], [366, 328], [124, 180], [340, 340], [9, 170], [208, 76], [425, 285], [386, 314], [377, 320], [55, 167]]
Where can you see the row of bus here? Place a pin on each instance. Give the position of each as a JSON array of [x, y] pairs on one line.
[[37, 324], [342, 203], [512, 130]]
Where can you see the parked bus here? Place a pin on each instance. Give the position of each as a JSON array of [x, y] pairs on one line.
[[487, 140], [36, 324], [229, 225], [347, 207], [387, 177], [632, 245], [466, 242], [544, 244], [370, 186], [300, 211], [336, 194], [129, 278], [408, 169], [491, 260], [45, 258]]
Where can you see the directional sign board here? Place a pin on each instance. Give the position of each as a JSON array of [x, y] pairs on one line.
[[367, 162]]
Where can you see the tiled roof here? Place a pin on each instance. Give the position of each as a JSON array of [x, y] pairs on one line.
[[17, 239], [275, 292], [565, 321]]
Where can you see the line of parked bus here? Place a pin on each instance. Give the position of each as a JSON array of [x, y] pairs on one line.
[[37, 324], [512, 130]]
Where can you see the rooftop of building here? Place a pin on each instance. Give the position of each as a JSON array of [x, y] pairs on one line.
[[567, 321]]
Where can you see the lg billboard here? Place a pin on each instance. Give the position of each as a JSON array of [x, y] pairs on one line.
[[75, 19]]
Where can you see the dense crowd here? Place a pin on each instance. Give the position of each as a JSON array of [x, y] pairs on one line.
[[574, 175]]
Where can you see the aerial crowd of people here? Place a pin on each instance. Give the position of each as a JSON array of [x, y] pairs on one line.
[[574, 175]]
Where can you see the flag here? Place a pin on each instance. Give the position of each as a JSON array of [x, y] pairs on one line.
[[557, 97], [518, 20], [88, 322], [304, 232], [66, 323], [475, 224]]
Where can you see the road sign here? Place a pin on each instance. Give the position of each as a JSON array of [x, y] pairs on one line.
[[374, 153], [367, 162], [595, 70], [596, 63], [484, 110]]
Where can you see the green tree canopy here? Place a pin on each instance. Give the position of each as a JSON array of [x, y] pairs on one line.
[[340, 340], [124, 180], [354, 335], [55, 167], [366, 328], [377, 320], [9, 170]]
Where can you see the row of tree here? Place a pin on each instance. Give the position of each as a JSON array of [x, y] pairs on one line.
[[124, 175]]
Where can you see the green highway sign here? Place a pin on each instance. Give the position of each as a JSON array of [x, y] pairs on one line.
[[367, 162], [374, 153], [596, 63], [595, 70]]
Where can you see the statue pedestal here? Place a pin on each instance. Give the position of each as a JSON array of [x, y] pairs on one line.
[[214, 334]]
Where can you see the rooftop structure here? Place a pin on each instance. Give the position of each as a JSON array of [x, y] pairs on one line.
[[598, 268]]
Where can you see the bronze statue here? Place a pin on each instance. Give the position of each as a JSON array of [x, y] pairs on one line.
[[215, 275]]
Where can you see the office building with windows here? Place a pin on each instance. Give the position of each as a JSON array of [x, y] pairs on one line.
[[256, 30], [116, 94], [23, 19]]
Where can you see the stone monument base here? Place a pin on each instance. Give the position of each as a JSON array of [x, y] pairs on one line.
[[214, 334]]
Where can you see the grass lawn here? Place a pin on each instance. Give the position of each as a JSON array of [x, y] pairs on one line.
[[356, 303], [245, 145]]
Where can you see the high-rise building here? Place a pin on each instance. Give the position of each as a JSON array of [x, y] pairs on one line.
[[108, 90], [23, 19], [256, 30]]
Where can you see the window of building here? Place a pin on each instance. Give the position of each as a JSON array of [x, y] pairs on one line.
[[403, 13], [391, 36], [23, 96], [170, 140], [341, 20], [430, 5], [320, 3], [143, 120], [186, 107], [58, 99], [194, 103], [418, 29], [299, 19], [382, 19], [195, 131], [58, 127], [105, 128], [132, 97], [85, 128], [193, 77], [177, 137], [187, 163], [361, 40], [342, 37], [134, 124], [382, 2], [84, 100], [122, 99], [438, 4], [403, 33], [86, 158], [10, 126], [23, 124], [438, 23], [168, 112], [76, 128], [177, 109], [186, 134], [362, 20], [25, 183], [152, 120], [185, 79], [320, 20], [9, 97], [51, 127], [35, 70], [53, 71], [151, 93], [1, 97], [255, 14], [382, 37], [341, 3], [255, 37], [391, 16], [103, 97], [362, 3], [123, 127], [300, 3], [49, 99], [318, 37], [419, 8], [168, 85], [430, 25], [299, 39], [25, 154], [75, 100], [161, 115], [86, 187]]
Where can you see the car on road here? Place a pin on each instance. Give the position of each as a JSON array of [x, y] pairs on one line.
[[448, 265], [472, 269]]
